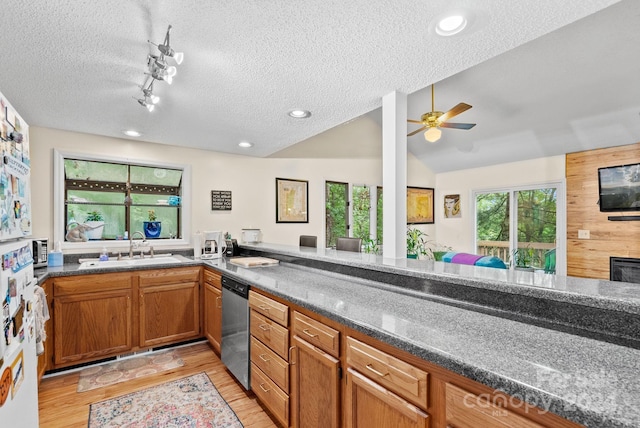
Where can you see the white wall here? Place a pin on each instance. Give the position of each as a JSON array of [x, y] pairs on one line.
[[458, 232], [251, 181]]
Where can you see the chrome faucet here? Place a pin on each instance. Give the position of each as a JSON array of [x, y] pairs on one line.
[[132, 242]]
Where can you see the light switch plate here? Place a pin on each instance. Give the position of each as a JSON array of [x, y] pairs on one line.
[[583, 234]]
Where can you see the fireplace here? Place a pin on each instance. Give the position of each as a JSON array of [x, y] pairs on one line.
[[624, 269]]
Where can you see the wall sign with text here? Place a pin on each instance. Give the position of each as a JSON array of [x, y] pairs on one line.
[[221, 200]]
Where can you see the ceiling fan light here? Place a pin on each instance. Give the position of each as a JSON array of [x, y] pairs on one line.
[[151, 107], [171, 71], [178, 57], [432, 134], [154, 99]]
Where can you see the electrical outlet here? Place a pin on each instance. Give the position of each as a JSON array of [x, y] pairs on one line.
[[583, 234]]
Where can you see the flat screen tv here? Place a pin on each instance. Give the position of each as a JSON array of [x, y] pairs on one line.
[[619, 188]]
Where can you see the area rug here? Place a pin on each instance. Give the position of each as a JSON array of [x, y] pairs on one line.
[[192, 402], [130, 368]]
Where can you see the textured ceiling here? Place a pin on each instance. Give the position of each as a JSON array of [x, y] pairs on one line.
[[76, 65]]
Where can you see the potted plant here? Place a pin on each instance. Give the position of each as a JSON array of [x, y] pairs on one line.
[[95, 223], [152, 228], [416, 243], [523, 258], [371, 246]]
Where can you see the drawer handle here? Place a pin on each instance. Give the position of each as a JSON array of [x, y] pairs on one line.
[[262, 388], [369, 367], [264, 307], [264, 327], [308, 333], [263, 358], [293, 363], [219, 302]]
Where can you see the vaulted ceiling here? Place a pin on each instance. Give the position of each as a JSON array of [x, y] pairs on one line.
[[544, 77]]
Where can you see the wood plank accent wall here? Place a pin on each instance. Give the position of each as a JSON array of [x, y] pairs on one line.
[[589, 258]]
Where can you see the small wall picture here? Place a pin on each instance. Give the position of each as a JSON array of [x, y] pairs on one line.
[[452, 206]]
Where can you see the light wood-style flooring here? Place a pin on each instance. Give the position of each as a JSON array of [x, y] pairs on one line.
[[61, 406]]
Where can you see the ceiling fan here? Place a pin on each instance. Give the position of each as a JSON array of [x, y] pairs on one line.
[[433, 120]]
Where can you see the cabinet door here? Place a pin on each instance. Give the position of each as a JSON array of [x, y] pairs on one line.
[[315, 386], [90, 326], [369, 405], [169, 313], [213, 316]]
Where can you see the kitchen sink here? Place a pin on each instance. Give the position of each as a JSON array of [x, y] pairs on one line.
[[156, 260]]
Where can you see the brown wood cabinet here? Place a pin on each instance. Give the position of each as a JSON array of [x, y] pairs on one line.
[[370, 405], [169, 305], [212, 308], [467, 410], [93, 317], [315, 387], [383, 390], [97, 316], [270, 354]]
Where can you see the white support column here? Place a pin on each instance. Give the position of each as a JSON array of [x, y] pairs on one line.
[[394, 175]]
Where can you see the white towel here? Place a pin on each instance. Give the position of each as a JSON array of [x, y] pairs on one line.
[[41, 315]]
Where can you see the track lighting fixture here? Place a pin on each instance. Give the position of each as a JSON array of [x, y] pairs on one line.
[[158, 69], [166, 50]]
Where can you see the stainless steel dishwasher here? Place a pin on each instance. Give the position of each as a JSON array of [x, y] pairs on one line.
[[235, 329]]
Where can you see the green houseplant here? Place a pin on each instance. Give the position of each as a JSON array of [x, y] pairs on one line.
[[524, 258], [371, 246], [95, 221], [152, 228], [416, 243]]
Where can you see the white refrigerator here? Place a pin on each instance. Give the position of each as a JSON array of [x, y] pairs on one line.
[[20, 297]]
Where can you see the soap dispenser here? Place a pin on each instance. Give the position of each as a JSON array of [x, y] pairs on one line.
[[104, 254]]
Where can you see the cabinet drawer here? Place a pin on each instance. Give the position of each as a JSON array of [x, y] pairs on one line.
[[213, 278], [269, 307], [271, 365], [316, 333], [402, 378], [467, 410], [270, 395], [91, 283], [169, 276], [271, 334]]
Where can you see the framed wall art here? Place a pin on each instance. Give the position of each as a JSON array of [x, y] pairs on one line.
[[292, 201], [452, 206], [419, 205]]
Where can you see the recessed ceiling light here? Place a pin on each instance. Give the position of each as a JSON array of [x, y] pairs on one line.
[[131, 133], [245, 144], [299, 114], [451, 25]]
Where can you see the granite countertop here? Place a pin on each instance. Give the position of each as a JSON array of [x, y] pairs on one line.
[[604, 294], [589, 381]]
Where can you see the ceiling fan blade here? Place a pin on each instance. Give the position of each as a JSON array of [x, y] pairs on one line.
[[413, 121], [457, 125], [460, 108], [416, 131]]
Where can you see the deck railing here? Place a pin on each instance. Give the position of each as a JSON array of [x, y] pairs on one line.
[[501, 249]]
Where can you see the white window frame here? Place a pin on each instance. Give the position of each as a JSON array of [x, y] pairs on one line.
[[59, 231], [561, 217]]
